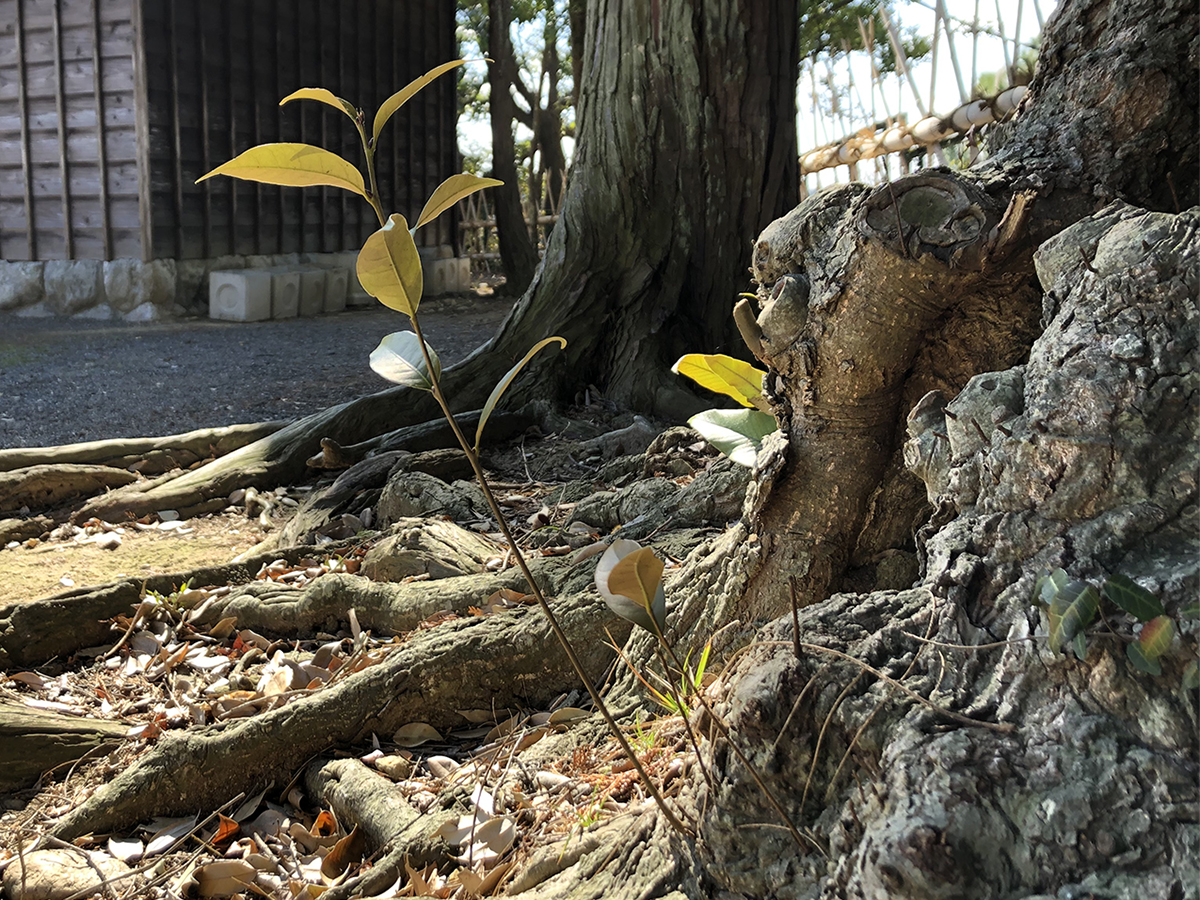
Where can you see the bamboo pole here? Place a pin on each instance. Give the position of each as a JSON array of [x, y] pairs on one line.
[[1008, 62], [901, 59], [963, 95]]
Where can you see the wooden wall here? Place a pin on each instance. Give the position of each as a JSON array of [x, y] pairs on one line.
[[67, 118], [128, 102], [215, 72]]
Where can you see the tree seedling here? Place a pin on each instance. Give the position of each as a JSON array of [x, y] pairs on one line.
[[389, 268]]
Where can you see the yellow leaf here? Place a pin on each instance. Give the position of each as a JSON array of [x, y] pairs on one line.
[[450, 192], [637, 576], [323, 96], [415, 734], [402, 96], [296, 165], [389, 267], [723, 375], [502, 386]]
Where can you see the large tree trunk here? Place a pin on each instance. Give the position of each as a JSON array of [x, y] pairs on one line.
[[518, 256], [687, 146]]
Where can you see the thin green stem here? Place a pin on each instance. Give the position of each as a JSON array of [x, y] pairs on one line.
[[369, 152], [797, 836], [561, 635]]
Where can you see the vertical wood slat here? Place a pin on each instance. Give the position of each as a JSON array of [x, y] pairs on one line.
[[255, 93], [23, 112], [302, 109], [206, 153], [342, 90], [405, 205], [60, 104], [101, 149], [141, 103], [275, 18], [323, 78], [173, 54], [232, 90]]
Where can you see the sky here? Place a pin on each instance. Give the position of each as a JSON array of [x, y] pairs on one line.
[[939, 90]]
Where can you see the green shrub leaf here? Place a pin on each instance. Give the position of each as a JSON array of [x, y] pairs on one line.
[[1049, 585], [450, 192], [738, 433], [1156, 637], [1191, 611], [294, 165], [398, 358], [723, 375], [402, 96], [1071, 611], [502, 386], [389, 267], [1133, 598], [1141, 662]]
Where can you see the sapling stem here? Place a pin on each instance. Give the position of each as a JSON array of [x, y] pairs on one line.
[[473, 459], [797, 836]]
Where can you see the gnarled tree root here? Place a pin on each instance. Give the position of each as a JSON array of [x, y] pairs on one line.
[[477, 663]]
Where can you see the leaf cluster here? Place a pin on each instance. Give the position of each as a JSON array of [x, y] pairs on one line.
[[1072, 605], [737, 433]]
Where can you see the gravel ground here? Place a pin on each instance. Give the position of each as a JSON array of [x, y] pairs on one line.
[[68, 380]]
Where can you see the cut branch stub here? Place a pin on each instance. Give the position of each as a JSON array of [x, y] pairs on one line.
[[929, 214], [871, 299]]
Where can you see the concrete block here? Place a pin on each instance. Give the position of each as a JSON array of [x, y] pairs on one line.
[[239, 296], [103, 313], [128, 283], [436, 275], [285, 293], [312, 290], [20, 284], [447, 276], [145, 312], [73, 285], [336, 284], [39, 310]]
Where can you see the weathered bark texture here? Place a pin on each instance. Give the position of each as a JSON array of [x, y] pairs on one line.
[[33, 741], [687, 145], [476, 663], [1091, 467]]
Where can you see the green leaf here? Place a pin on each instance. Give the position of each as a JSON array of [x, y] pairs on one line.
[[502, 385], [1156, 637], [450, 192], [1141, 661], [1133, 598], [1071, 611], [323, 96], [398, 358], [1079, 646], [723, 375], [294, 165], [389, 267], [1049, 585], [1191, 611], [1191, 676], [402, 96], [738, 433]]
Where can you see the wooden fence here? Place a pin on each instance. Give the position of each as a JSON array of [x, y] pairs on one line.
[[111, 109]]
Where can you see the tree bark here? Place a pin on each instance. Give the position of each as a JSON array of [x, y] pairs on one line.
[[518, 256], [648, 253]]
